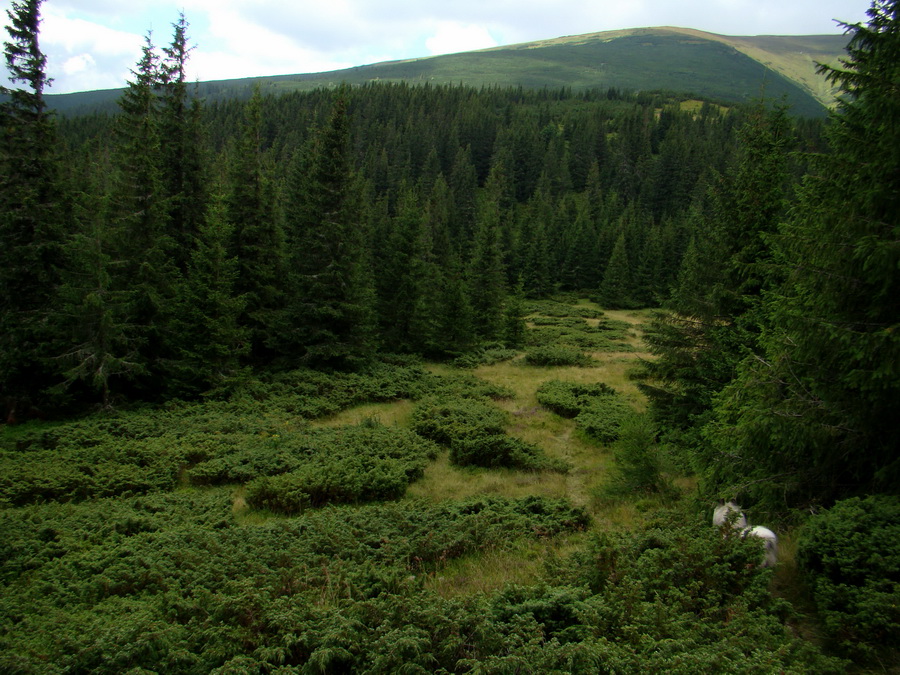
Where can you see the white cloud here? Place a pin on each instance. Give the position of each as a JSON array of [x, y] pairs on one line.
[[79, 64], [72, 35], [236, 46], [452, 37]]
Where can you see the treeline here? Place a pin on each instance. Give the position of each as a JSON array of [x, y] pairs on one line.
[[169, 249], [777, 369]]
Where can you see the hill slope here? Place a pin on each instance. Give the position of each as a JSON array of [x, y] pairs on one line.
[[719, 67]]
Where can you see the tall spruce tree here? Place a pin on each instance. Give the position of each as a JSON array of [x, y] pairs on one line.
[[258, 237], [32, 218], [407, 288], [139, 215], [207, 339], [183, 165], [814, 416], [487, 277], [328, 319], [616, 287], [103, 344], [715, 317]]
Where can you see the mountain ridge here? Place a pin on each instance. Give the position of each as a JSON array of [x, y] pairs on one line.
[[721, 67]]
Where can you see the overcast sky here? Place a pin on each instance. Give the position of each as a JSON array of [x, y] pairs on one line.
[[93, 44]]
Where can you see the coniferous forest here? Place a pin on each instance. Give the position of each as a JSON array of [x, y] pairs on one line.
[[395, 378]]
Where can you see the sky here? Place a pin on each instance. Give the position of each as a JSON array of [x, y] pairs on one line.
[[94, 44]]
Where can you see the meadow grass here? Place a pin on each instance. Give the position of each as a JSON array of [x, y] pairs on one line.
[[395, 413], [523, 564]]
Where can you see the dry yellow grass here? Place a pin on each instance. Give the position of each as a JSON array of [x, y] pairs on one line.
[[443, 480], [495, 569], [389, 414], [558, 437]]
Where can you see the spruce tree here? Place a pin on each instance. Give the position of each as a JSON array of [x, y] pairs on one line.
[[615, 289], [534, 258], [139, 216], [813, 417], [33, 217], [102, 341], [258, 237], [407, 286], [183, 164], [329, 318], [715, 317], [207, 340], [487, 277]]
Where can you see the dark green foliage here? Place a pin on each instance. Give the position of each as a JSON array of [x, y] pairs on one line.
[[208, 341], [258, 238], [557, 355], [33, 220], [559, 325], [258, 432], [676, 598], [598, 409], [183, 167], [443, 420], [615, 289], [355, 464], [604, 417], [486, 274], [567, 399], [640, 464], [329, 311], [716, 316], [102, 343], [312, 393], [173, 582], [492, 451], [408, 283], [485, 357], [813, 419], [475, 433], [850, 556], [427, 232]]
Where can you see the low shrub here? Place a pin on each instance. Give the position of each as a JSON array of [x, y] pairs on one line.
[[290, 472], [354, 479], [603, 418], [640, 463], [500, 450], [443, 420], [485, 357], [474, 432], [850, 555], [598, 409], [556, 356], [567, 399]]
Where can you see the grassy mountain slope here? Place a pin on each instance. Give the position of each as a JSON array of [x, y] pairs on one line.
[[675, 59]]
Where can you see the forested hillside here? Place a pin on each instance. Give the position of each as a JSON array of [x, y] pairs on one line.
[[729, 69], [318, 228], [584, 317]]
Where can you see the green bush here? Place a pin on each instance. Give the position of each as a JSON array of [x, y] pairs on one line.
[[850, 555], [598, 409], [485, 357], [443, 420], [567, 399], [500, 450], [640, 464], [604, 417], [556, 356], [346, 480], [474, 432], [289, 473]]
